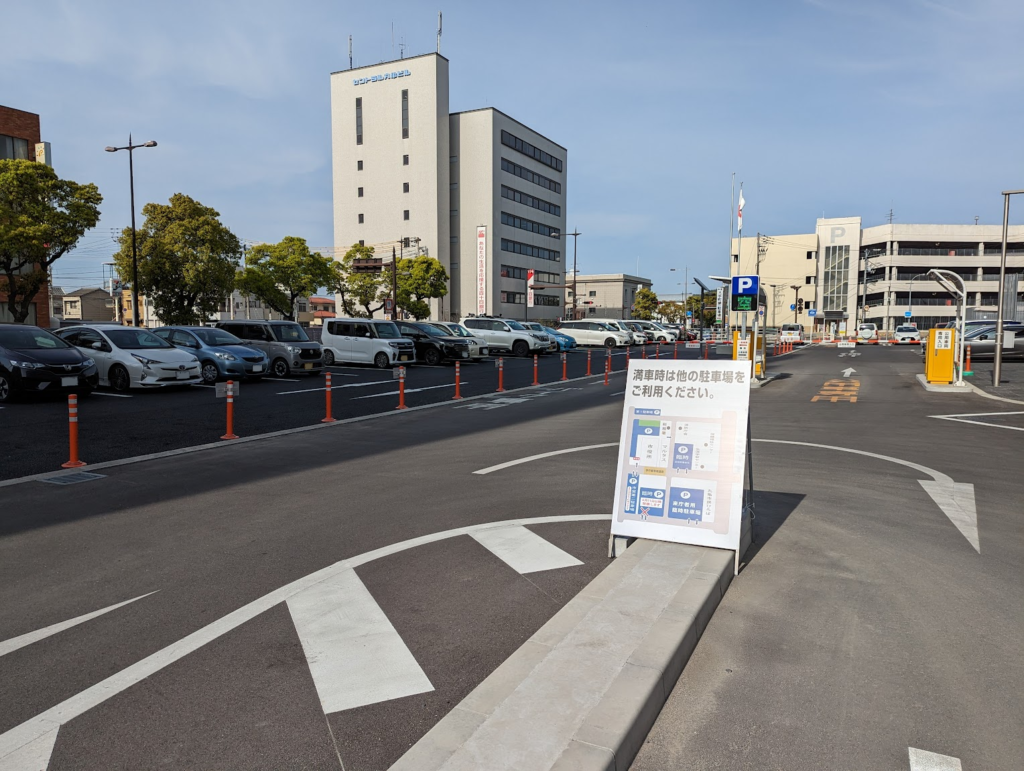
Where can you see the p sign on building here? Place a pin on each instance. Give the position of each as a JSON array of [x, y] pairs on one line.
[[682, 452]]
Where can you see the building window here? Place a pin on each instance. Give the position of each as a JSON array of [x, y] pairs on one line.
[[810, 279], [508, 245], [360, 219], [453, 186], [359, 120], [13, 148], [546, 299], [360, 193], [405, 214], [454, 239], [515, 298], [811, 255], [359, 165], [836, 276], [405, 187], [510, 140], [362, 242], [735, 258], [591, 294], [528, 200], [406, 242], [524, 224], [454, 213], [453, 158], [530, 176], [405, 160], [405, 113]]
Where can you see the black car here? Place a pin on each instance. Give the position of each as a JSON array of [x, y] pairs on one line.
[[34, 361], [432, 345]]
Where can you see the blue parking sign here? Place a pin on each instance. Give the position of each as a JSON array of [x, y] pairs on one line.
[[745, 285]]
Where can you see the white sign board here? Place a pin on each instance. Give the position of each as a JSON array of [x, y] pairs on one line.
[[719, 304], [846, 344], [529, 288], [682, 452], [943, 339], [220, 390], [743, 349], [481, 269]]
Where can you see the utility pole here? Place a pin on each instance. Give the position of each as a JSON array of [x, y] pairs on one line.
[[575, 235], [864, 294], [394, 283], [796, 303]]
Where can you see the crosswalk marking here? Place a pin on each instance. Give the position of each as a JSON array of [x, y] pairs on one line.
[[354, 653], [523, 550], [922, 760]]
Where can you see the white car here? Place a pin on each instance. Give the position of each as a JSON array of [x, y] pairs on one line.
[[129, 357], [791, 333], [477, 345], [365, 341], [594, 333], [867, 333], [639, 338], [655, 332], [906, 334], [504, 334], [540, 334]]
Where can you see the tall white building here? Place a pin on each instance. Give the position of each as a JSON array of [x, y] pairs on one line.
[[479, 191]]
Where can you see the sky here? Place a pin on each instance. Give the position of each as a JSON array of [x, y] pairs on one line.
[[819, 107]]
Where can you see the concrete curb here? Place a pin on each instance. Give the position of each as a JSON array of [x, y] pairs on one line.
[[584, 691], [942, 387], [987, 395]]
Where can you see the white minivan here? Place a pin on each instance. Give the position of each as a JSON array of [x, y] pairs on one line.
[[595, 333], [365, 341], [639, 338]]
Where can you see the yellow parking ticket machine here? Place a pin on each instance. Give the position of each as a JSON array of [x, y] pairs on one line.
[[939, 357], [747, 348]]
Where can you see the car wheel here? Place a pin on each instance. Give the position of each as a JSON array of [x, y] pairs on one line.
[[6, 391], [520, 348], [279, 368], [609, 343], [209, 372], [119, 378], [382, 360], [328, 357], [432, 357]]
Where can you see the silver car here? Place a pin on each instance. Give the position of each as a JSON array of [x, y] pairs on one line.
[[129, 357], [537, 330], [477, 345]]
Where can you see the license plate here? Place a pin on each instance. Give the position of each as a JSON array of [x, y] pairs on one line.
[[182, 375], [404, 357], [308, 365], [257, 368], [66, 382]]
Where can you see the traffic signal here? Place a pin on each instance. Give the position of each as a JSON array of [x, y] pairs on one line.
[[368, 265], [799, 305]]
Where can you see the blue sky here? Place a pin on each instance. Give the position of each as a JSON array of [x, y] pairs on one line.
[[819, 106]]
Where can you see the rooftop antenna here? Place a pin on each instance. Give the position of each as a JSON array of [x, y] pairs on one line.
[[350, 52], [392, 40], [439, 32], [890, 216], [975, 219], [401, 48]]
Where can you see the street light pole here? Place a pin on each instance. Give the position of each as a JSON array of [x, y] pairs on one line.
[[135, 252], [575, 234], [997, 357]]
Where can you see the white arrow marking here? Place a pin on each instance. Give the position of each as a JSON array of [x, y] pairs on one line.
[[956, 499], [9, 646], [922, 760], [848, 371]]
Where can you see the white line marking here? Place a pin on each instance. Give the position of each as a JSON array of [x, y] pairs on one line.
[[32, 756], [202, 385], [962, 418], [13, 644], [18, 737], [922, 760], [408, 390], [617, 393], [335, 388], [283, 379], [523, 550], [118, 396], [355, 654], [509, 464], [956, 499]]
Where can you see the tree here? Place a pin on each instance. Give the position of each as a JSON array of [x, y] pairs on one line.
[[187, 259], [672, 312], [646, 302], [420, 279], [279, 273], [354, 289], [42, 218]]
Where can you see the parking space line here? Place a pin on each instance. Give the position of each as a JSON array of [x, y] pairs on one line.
[[517, 461], [523, 550], [962, 418], [408, 390], [202, 385], [335, 388], [119, 396], [283, 379], [922, 760]]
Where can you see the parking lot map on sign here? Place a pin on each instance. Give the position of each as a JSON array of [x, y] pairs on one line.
[[682, 452]]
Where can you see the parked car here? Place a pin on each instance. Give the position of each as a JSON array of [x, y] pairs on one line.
[[640, 335], [477, 345], [504, 334], [365, 341], [654, 331], [33, 360], [867, 333], [791, 333], [285, 343], [129, 357], [983, 342], [538, 331], [433, 346], [564, 341], [594, 333], [906, 334], [221, 355], [637, 334]]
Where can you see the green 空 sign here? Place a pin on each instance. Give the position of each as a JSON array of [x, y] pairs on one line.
[[743, 302]]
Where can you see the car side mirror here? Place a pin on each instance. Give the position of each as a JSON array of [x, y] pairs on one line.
[[97, 346]]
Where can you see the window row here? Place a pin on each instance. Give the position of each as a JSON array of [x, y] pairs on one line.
[[512, 271], [524, 224], [359, 118], [528, 200], [405, 216], [508, 245], [405, 162], [531, 176], [13, 149], [546, 299], [511, 140], [514, 298]]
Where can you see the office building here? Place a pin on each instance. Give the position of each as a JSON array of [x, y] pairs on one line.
[[477, 190], [605, 295]]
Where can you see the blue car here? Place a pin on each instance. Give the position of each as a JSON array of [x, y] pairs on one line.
[[565, 342], [221, 355]]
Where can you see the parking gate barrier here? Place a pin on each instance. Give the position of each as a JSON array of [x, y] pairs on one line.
[[73, 461], [230, 434], [501, 374], [401, 389], [535, 380], [328, 418], [458, 372], [588, 362]]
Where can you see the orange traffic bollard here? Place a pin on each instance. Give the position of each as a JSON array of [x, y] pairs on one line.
[[607, 368], [629, 352], [458, 394], [501, 374], [675, 350], [564, 375], [535, 380], [588, 362], [401, 389], [643, 351], [328, 418], [231, 411], [967, 367], [73, 461]]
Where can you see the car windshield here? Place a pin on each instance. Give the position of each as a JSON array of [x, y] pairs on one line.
[[387, 331], [790, 328], [212, 336], [443, 331], [551, 331], [906, 329], [513, 324], [979, 331], [459, 331], [289, 333], [135, 339], [28, 339]]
